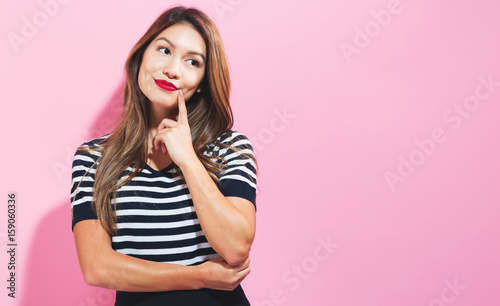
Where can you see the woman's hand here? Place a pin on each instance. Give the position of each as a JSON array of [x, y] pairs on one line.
[[219, 275], [174, 137]]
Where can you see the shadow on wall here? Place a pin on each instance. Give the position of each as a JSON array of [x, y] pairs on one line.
[[53, 273]]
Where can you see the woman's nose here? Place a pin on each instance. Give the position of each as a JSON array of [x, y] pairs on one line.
[[171, 70]]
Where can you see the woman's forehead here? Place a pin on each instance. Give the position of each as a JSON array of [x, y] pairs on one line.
[[184, 36]]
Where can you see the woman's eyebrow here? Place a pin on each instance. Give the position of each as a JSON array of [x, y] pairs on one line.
[[173, 45]]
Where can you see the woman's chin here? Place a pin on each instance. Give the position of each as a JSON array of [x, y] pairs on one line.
[[162, 104]]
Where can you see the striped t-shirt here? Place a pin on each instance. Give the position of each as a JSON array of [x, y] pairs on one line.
[[156, 219]]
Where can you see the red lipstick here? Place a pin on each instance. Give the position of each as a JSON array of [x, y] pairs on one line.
[[165, 85]]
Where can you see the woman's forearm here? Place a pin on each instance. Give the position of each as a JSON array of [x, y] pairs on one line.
[[104, 267], [117, 271], [228, 230]]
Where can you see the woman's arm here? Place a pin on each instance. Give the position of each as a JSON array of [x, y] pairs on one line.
[[228, 223], [104, 267]]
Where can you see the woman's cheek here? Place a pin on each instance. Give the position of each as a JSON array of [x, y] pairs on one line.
[[157, 66]]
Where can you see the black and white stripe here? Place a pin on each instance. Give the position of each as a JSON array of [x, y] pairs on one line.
[[156, 218]]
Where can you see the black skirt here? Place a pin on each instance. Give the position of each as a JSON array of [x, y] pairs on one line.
[[202, 297]]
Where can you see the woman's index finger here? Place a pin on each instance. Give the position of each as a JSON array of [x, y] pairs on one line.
[[181, 104]]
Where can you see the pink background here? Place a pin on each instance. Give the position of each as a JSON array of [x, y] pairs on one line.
[[328, 126]]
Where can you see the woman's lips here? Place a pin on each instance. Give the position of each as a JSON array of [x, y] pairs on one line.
[[165, 85]]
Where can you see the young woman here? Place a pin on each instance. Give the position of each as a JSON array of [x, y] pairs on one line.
[[164, 205]]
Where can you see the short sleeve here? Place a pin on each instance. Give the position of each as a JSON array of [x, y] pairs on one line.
[[83, 172], [240, 177]]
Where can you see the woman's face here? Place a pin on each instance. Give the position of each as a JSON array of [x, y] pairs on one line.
[[177, 55]]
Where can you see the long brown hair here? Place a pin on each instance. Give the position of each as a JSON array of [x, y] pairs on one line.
[[209, 113]]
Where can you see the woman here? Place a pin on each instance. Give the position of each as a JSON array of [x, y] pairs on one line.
[[164, 206]]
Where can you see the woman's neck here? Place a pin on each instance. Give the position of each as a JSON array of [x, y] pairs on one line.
[[160, 113]]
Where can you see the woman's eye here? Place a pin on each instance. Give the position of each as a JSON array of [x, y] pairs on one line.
[[164, 50], [194, 62]]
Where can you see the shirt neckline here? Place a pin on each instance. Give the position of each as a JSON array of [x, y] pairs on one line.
[[164, 170]]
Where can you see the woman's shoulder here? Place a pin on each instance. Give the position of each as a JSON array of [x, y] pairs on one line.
[[95, 142], [230, 142], [232, 137], [91, 148]]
